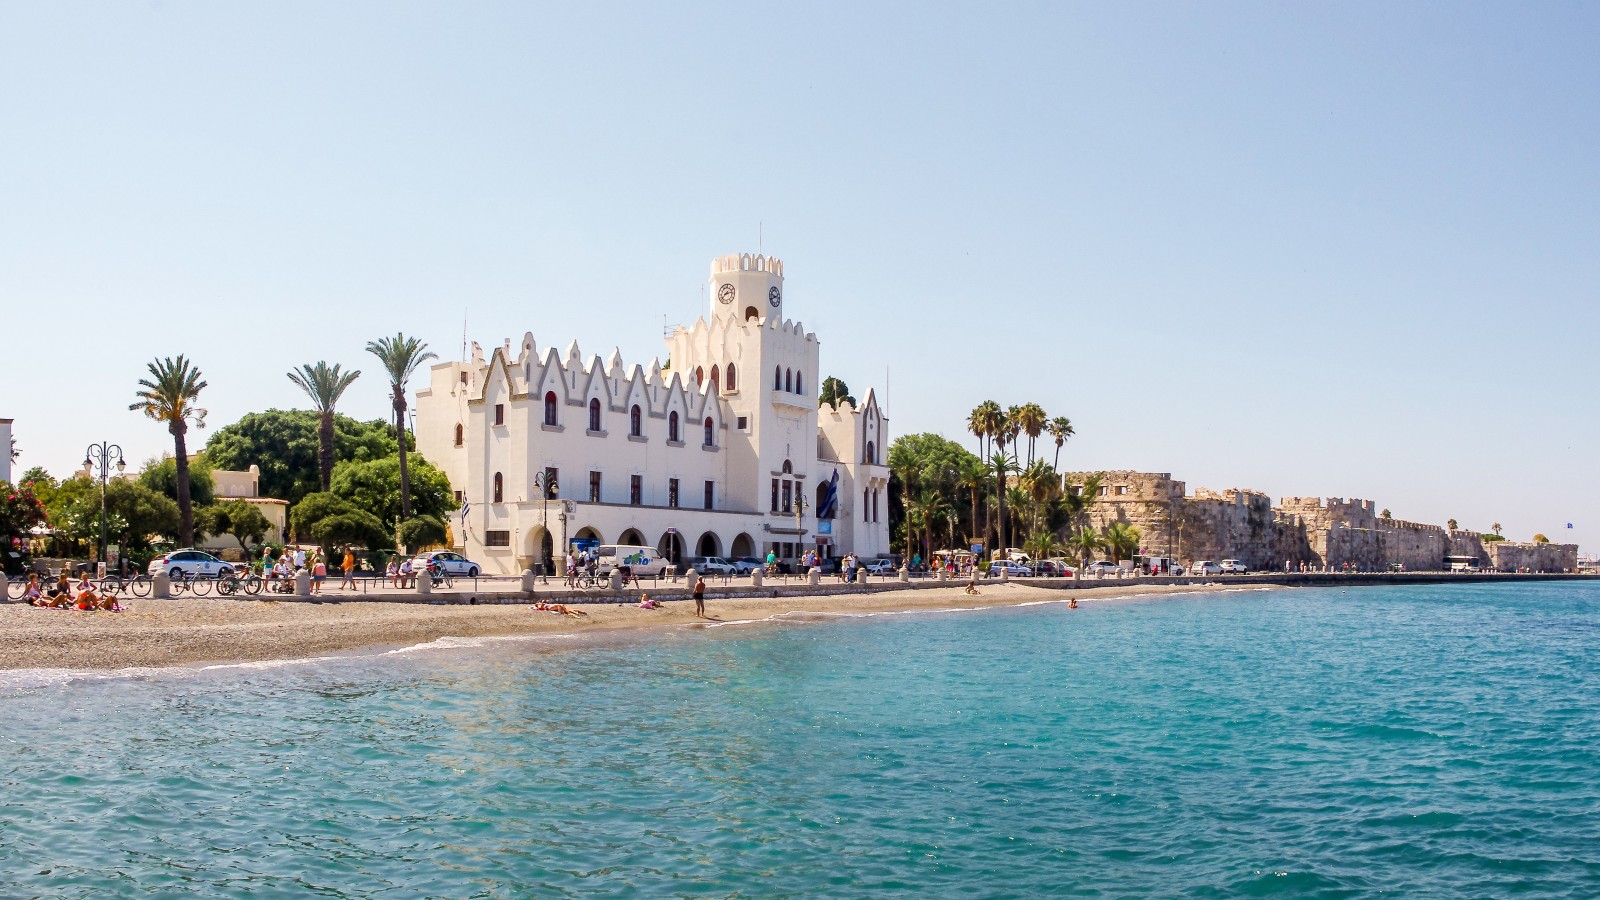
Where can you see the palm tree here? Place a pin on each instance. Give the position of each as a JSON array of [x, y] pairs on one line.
[[170, 397], [1452, 524], [1495, 528], [1032, 420], [972, 475], [1077, 504], [1042, 546], [1121, 540], [401, 356], [1085, 541], [324, 386], [1041, 484], [984, 422], [934, 509], [1001, 464], [1060, 428]]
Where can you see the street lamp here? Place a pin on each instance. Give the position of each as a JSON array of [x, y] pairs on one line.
[[103, 455], [544, 484], [800, 505]]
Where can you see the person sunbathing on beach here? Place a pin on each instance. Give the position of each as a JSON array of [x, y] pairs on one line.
[[559, 608], [646, 603], [31, 593], [972, 586]]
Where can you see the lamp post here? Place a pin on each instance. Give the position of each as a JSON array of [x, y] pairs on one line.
[[800, 505], [545, 485], [103, 455]]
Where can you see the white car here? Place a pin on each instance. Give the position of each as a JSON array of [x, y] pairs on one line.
[[880, 567], [451, 562], [1012, 569], [1102, 568], [190, 563], [711, 565], [1205, 567], [1234, 567]]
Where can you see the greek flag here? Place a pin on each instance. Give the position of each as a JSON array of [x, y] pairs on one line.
[[466, 507], [830, 500]]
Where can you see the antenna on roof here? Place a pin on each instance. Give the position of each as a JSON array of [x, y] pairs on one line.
[[463, 335]]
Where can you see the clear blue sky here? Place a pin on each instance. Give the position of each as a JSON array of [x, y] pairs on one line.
[[1343, 249]]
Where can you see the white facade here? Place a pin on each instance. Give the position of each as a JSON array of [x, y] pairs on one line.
[[703, 455], [5, 450]]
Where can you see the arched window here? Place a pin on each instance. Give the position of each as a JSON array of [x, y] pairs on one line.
[[866, 505], [732, 385], [636, 421], [710, 432], [550, 408], [699, 376], [777, 378], [594, 414], [788, 381], [750, 312], [672, 426], [716, 379], [871, 457], [461, 435], [799, 383], [788, 467], [499, 488]]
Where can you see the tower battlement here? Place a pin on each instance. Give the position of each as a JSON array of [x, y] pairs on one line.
[[746, 262]]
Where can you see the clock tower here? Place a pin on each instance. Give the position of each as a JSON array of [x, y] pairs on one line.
[[746, 286]]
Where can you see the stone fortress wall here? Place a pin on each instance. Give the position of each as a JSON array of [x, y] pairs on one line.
[[1333, 532]]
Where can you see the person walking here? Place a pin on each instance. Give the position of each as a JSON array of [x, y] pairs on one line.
[[348, 565], [700, 596], [319, 572]]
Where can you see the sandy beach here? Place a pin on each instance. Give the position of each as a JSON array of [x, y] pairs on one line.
[[197, 630]]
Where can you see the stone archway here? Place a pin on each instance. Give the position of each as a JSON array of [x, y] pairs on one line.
[[632, 538], [671, 547], [743, 546], [589, 534], [708, 545]]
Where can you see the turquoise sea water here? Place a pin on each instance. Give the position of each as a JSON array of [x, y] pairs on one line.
[[1419, 740]]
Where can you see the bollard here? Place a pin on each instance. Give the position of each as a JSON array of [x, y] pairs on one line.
[[527, 581], [1005, 573], [756, 576], [162, 589], [616, 581], [944, 575], [424, 583], [814, 576], [302, 583], [4, 586], [905, 575], [689, 575]]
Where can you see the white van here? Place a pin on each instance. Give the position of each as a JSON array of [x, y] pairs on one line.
[[642, 561]]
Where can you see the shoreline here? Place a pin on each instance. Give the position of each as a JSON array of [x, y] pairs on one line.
[[198, 631]]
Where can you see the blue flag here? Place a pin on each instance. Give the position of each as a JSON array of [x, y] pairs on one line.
[[830, 500]]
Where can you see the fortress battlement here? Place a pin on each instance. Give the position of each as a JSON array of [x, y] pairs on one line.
[[746, 262]]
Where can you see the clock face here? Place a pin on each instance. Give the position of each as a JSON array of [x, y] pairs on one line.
[[773, 295], [725, 293]]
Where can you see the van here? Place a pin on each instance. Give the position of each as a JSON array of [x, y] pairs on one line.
[[1162, 565], [641, 561]]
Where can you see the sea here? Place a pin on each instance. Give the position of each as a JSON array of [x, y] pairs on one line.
[[1412, 741]]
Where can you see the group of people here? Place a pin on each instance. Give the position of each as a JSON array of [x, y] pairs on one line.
[[280, 571], [63, 594]]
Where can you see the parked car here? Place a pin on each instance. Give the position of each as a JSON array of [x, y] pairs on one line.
[[451, 562], [1205, 567], [1103, 567], [880, 567], [1234, 567], [1012, 569], [184, 563], [711, 565], [744, 565], [1052, 569]]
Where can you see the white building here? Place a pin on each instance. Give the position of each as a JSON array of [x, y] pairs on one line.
[[719, 451], [5, 450]]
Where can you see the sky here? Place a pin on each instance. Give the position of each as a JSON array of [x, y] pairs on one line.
[[1312, 249]]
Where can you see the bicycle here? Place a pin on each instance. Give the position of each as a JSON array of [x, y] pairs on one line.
[[232, 584], [139, 586]]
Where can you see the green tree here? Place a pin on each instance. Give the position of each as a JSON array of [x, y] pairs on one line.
[[401, 357], [161, 476], [171, 397], [1495, 528], [1121, 540], [834, 392], [375, 488], [1060, 429], [1084, 542], [1452, 524], [422, 531], [333, 522], [1540, 539], [35, 477], [1385, 514], [984, 423], [324, 386], [238, 518], [285, 446], [20, 512], [1031, 419], [1001, 464], [972, 476], [138, 515], [1042, 546]]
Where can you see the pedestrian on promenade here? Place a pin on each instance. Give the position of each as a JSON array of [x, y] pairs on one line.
[[700, 596], [349, 568], [319, 572]]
